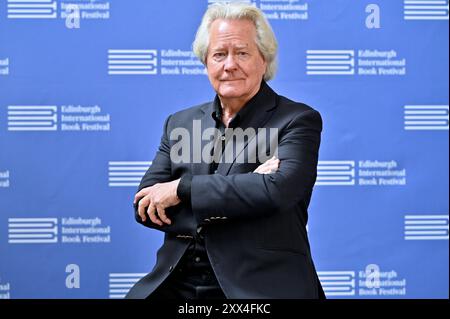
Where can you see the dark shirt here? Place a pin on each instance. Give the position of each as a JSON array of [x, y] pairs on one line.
[[196, 259]]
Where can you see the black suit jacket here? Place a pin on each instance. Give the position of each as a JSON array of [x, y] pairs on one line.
[[254, 224]]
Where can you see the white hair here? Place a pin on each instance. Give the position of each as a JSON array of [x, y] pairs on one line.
[[265, 38]]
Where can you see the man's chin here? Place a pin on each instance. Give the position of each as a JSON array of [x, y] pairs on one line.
[[231, 92]]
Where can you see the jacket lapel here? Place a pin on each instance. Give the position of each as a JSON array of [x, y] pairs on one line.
[[206, 121]]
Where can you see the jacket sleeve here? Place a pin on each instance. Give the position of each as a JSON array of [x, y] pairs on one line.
[[160, 171], [252, 195]]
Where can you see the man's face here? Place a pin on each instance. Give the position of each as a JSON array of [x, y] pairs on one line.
[[234, 64]]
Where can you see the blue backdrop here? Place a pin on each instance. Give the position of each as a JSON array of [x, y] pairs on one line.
[[85, 87]]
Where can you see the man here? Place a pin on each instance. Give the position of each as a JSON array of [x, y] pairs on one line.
[[233, 228]]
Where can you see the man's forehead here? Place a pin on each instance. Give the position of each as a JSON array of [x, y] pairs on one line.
[[230, 33], [236, 45]]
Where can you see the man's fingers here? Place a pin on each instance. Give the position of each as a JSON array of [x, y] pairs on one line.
[[143, 192], [162, 215], [272, 161], [263, 166], [141, 208], [138, 196], [276, 163], [270, 166], [151, 211]]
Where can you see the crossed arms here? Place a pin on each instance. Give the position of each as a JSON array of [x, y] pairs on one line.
[[274, 185]]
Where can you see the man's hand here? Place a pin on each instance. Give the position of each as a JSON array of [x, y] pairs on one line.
[[160, 196], [268, 167], [156, 199]]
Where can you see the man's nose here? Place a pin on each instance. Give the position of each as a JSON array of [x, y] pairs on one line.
[[230, 63]]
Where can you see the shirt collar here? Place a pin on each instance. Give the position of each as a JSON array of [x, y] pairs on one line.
[[245, 112]]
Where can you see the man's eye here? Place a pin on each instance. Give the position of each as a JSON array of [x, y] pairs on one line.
[[218, 55], [242, 53]]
